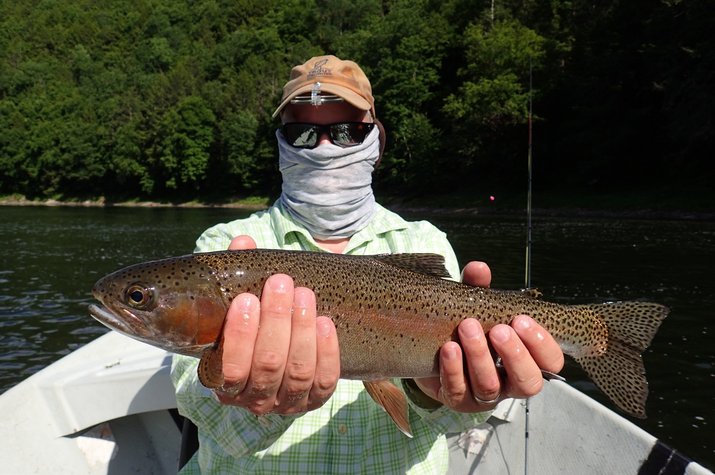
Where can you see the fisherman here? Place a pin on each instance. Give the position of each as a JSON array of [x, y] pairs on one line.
[[281, 360]]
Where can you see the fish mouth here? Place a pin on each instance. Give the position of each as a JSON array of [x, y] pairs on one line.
[[119, 319], [123, 321]]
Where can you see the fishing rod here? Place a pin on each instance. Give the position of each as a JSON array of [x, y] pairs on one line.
[[527, 270]]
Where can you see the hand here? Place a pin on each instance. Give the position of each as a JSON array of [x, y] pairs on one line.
[[524, 346], [288, 364]]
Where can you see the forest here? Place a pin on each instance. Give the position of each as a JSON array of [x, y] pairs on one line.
[[172, 99]]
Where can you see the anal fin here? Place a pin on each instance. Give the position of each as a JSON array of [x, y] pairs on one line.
[[393, 401]]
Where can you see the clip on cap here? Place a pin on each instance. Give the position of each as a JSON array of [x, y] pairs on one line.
[[316, 98]]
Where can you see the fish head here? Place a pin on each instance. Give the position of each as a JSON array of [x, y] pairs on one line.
[[173, 304]]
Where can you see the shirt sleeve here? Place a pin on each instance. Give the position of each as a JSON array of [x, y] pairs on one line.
[[235, 431], [216, 238]]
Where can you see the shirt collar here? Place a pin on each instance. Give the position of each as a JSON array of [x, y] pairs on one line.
[[382, 222], [284, 226]]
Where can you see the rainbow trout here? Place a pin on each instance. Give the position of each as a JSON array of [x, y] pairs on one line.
[[392, 314]]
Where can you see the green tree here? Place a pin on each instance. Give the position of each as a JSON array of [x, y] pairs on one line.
[[186, 134], [403, 53], [493, 96], [161, 99]]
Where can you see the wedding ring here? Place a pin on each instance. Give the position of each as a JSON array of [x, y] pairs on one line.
[[230, 391], [487, 402]]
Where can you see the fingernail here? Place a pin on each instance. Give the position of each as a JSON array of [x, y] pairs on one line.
[[450, 352], [302, 300], [244, 302], [500, 333], [243, 306], [279, 284], [523, 322], [470, 328], [324, 328]]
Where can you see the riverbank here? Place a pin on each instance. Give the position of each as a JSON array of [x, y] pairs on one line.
[[247, 203], [636, 204]]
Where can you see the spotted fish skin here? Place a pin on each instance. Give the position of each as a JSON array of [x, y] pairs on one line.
[[392, 312]]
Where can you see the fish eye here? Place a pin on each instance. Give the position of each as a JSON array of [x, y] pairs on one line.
[[139, 296]]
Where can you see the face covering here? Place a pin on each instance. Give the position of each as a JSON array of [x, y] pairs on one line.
[[328, 189]]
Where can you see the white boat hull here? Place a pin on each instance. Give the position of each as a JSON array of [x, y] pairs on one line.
[[102, 408], [107, 408]]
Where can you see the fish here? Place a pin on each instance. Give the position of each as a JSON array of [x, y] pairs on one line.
[[392, 313]]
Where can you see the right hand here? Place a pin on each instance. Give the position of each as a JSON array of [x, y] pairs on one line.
[[278, 355], [471, 383]]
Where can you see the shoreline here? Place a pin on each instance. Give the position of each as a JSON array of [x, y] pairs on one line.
[[396, 205], [101, 203]]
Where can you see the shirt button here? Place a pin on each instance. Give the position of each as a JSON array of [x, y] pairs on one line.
[[342, 428]]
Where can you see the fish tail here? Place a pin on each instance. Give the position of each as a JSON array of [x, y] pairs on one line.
[[618, 371]]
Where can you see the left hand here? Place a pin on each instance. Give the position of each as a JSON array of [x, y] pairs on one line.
[[278, 356], [524, 346]]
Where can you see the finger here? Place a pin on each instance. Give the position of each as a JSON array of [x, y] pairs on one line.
[[454, 391], [242, 242], [327, 369], [272, 343], [300, 365], [477, 273], [483, 377], [523, 376], [239, 338], [541, 345]]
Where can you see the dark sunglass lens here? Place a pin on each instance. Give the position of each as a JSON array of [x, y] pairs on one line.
[[301, 135], [349, 134]]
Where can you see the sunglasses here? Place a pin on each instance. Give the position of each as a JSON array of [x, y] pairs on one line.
[[343, 134]]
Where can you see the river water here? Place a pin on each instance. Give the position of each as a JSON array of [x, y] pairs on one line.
[[52, 256]]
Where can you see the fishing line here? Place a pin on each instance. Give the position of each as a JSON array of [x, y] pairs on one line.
[[527, 271]]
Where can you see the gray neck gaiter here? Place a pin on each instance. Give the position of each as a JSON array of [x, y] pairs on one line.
[[328, 189]]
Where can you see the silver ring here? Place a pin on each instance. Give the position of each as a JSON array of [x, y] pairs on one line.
[[230, 391], [486, 402]]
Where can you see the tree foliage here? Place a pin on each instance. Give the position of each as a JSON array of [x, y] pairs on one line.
[[173, 100]]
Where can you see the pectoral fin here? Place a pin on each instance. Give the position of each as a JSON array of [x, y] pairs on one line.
[[393, 401], [211, 367]]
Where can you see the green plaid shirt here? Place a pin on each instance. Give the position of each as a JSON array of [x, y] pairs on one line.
[[350, 433]]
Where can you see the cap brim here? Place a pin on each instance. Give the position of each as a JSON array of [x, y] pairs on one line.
[[350, 96]]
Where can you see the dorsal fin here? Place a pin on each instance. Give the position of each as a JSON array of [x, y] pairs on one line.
[[532, 292], [424, 263]]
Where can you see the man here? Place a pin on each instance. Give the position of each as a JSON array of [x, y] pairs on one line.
[[281, 360]]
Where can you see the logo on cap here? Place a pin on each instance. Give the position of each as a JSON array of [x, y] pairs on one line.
[[319, 70]]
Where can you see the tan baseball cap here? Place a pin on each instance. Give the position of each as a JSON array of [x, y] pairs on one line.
[[329, 75]]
